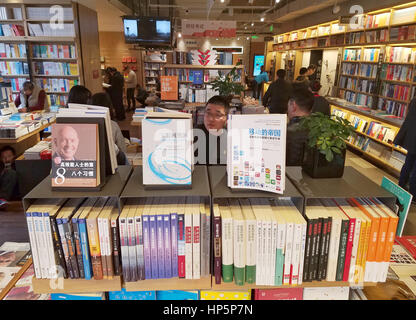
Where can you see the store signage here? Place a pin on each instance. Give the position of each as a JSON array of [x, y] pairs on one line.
[[169, 88], [204, 58], [209, 29]]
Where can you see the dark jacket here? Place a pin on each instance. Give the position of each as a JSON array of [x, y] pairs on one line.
[[8, 185], [406, 137], [321, 105], [277, 96], [215, 155], [297, 139]]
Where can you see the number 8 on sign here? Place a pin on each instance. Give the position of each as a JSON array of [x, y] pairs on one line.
[[60, 179]]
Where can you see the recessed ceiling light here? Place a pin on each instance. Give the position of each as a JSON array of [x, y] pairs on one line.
[[262, 19], [277, 1], [179, 35], [252, 24], [222, 1], [245, 27]]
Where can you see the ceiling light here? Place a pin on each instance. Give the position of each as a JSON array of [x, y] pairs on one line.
[[179, 35], [250, 1], [248, 38], [238, 39], [245, 27], [222, 1], [277, 1], [252, 24], [262, 19]]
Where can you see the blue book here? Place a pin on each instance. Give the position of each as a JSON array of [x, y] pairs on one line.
[[134, 295], [153, 247], [174, 244], [146, 248], [85, 248], [177, 295], [74, 296], [160, 247], [167, 245]]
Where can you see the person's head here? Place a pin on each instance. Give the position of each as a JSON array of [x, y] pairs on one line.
[[7, 155], [66, 142], [102, 99], [216, 111], [80, 95], [303, 71], [262, 69], [311, 70], [315, 86], [300, 103], [281, 74], [28, 88], [111, 71]]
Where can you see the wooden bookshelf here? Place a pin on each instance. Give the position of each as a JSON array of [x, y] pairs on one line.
[[170, 284]]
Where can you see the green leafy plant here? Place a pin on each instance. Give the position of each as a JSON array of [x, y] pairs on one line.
[[327, 134], [229, 84]]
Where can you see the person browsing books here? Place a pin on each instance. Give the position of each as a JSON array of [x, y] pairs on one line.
[[258, 81], [277, 96], [131, 83], [320, 104], [300, 106], [8, 157], [31, 98], [8, 184], [66, 144], [211, 137]]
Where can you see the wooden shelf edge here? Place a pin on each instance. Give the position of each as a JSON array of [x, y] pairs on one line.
[[15, 279], [169, 284]]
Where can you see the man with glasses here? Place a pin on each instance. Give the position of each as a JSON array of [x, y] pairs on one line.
[[211, 137]]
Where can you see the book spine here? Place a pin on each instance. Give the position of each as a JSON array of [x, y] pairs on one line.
[[167, 245], [115, 238], [65, 249], [84, 248], [139, 248], [124, 249], [206, 258], [33, 245], [196, 245], [342, 250], [217, 249], [297, 245], [251, 252], [52, 271], [315, 257], [95, 250], [280, 253], [288, 253], [102, 247], [259, 252], [181, 245], [227, 250], [202, 253], [308, 250], [326, 250], [146, 248], [268, 261], [62, 272], [302, 253], [78, 248], [132, 248], [160, 247], [349, 249], [188, 247], [43, 256], [108, 242], [174, 243], [153, 246], [239, 248], [322, 242], [71, 247]]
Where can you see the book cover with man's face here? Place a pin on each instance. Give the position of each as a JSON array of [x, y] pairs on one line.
[[75, 155]]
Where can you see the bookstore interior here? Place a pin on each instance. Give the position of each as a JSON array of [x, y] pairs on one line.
[[207, 150]]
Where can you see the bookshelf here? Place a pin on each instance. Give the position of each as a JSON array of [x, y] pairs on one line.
[[153, 63], [55, 59], [200, 187], [113, 188]]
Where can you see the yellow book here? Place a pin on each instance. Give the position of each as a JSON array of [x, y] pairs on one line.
[[226, 295], [73, 69]]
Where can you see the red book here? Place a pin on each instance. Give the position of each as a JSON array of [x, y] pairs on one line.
[[409, 242], [181, 246], [279, 294], [217, 247]]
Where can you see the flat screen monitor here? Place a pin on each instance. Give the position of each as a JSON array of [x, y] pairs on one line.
[[148, 31], [258, 62]]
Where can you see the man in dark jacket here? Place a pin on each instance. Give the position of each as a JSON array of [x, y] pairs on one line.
[[406, 138], [277, 96], [116, 92], [300, 105], [320, 104]]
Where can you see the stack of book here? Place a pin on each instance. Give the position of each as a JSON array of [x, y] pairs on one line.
[[13, 68], [397, 72], [50, 51], [400, 54], [392, 107], [12, 30], [34, 153], [371, 54], [379, 20], [7, 13], [44, 13], [380, 132], [56, 68], [8, 50], [396, 91], [56, 85], [352, 54], [45, 30], [350, 68], [17, 83], [368, 70]]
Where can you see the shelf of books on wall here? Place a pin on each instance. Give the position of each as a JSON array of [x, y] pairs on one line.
[[152, 68]]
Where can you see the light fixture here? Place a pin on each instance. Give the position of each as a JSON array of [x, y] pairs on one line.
[[238, 38], [277, 1], [262, 19], [245, 27], [179, 35], [250, 1], [222, 1], [252, 24], [248, 38]]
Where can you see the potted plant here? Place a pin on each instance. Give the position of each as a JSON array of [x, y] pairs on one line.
[[326, 149], [229, 85]]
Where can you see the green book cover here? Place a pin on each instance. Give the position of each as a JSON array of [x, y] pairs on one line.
[[342, 250], [227, 273], [280, 259], [239, 275], [251, 274]]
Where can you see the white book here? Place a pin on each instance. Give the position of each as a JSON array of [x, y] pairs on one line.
[[188, 239], [274, 245], [259, 238], [302, 253], [124, 241], [139, 234], [251, 236], [238, 239], [41, 242], [196, 239], [290, 232], [281, 243], [227, 235], [33, 242], [297, 244]]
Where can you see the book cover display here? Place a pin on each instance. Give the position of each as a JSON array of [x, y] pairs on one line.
[[167, 150], [75, 154], [256, 157]]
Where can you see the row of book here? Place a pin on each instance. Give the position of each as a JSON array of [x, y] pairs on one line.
[[44, 13], [395, 108], [364, 100], [45, 30], [9, 50], [350, 96], [350, 69], [12, 30], [348, 83], [57, 100], [400, 55], [355, 37], [10, 13], [17, 83], [379, 20], [371, 54], [14, 68], [397, 72], [366, 85], [403, 33], [56, 68], [56, 85], [35, 152], [194, 95], [377, 36], [396, 91], [352, 54], [380, 132], [54, 51], [404, 15]]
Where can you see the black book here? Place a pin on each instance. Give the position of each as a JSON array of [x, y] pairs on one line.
[[58, 248], [315, 259], [65, 248], [321, 262], [327, 242], [342, 249], [115, 238], [314, 244], [71, 247], [308, 250], [77, 242]]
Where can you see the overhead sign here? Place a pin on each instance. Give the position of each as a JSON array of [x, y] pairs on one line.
[[209, 29]]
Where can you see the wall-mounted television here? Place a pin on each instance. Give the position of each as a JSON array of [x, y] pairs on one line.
[[258, 62], [148, 31]]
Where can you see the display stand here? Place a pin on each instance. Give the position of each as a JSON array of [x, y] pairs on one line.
[[113, 188], [200, 188]]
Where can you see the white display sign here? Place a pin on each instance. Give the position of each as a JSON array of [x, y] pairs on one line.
[[213, 29]]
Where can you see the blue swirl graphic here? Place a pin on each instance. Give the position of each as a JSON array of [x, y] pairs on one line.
[[166, 166], [159, 122]]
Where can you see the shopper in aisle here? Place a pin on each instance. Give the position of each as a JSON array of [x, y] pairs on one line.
[[131, 84], [142, 95], [258, 82], [116, 92], [79, 95], [211, 137], [299, 106], [9, 190], [277, 96], [320, 104], [302, 79], [311, 73], [406, 138], [103, 99], [31, 98], [8, 157]]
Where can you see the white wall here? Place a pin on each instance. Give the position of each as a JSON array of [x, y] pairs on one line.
[[329, 68], [306, 59]]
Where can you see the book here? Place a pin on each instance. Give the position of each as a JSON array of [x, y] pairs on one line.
[[153, 239], [158, 204], [239, 241], [250, 231], [408, 242], [124, 244], [225, 295], [188, 238], [174, 237], [326, 293], [196, 239], [217, 243], [115, 241], [75, 160], [280, 245], [342, 252], [227, 242], [279, 294], [146, 239], [167, 238], [138, 216], [181, 238]]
